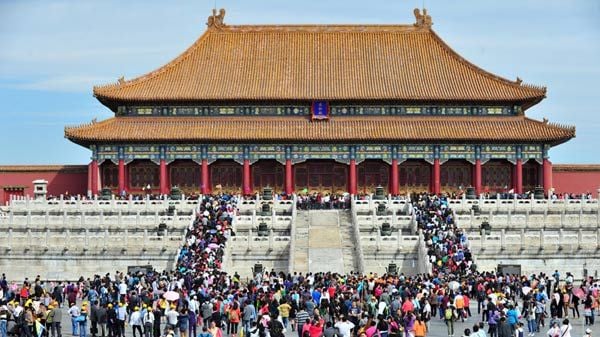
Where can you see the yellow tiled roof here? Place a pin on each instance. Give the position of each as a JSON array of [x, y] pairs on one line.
[[338, 129], [314, 62]]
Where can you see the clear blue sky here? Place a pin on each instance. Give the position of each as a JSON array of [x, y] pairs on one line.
[[53, 51]]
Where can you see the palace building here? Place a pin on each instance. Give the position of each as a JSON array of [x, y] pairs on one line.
[[330, 108]]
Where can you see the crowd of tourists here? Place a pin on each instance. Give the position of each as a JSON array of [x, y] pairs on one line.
[[198, 299], [447, 244], [322, 201]]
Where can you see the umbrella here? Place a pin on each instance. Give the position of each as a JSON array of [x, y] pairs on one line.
[[525, 290], [579, 292], [171, 296], [213, 246], [453, 285]]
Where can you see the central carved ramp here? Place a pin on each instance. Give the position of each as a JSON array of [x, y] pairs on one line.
[[325, 251]]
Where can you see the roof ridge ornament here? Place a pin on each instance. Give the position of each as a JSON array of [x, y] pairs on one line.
[[423, 20], [216, 20]]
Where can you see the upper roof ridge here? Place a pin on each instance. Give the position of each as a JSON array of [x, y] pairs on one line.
[[318, 62]]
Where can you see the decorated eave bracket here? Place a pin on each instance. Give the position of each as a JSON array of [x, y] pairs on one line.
[[342, 153]]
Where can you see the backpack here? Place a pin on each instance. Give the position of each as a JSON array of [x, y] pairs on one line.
[[448, 314]]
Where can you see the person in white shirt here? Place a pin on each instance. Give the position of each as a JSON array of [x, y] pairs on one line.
[[74, 312], [345, 327], [148, 323], [172, 316], [565, 328], [135, 320], [122, 291]]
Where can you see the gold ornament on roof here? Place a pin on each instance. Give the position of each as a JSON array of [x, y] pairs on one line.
[[216, 20], [423, 20]]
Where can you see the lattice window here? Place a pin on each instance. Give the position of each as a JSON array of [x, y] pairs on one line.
[[530, 175], [456, 174], [226, 174], [268, 173], [110, 175], [497, 176], [185, 175], [372, 174], [415, 174], [144, 174]]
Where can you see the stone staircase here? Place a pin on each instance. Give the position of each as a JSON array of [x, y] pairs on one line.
[[325, 242], [300, 258], [349, 242]]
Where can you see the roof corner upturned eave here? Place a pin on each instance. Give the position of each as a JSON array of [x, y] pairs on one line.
[[532, 94], [562, 132]]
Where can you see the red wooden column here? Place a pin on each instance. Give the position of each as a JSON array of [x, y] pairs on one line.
[[89, 179], [122, 186], [94, 178], [547, 172], [437, 182], [205, 188], [352, 189], [477, 182], [246, 178], [246, 174], [289, 177], [519, 176], [164, 184], [395, 178], [289, 183]]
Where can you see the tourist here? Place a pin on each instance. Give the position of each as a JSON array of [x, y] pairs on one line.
[[135, 320], [420, 328], [183, 322], [102, 319], [157, 314], [121, 310], [111, 321], [233, 318], [214, 330], [530, 315], [303, 319], [330, 330], [554, 331], [449, 316], [172, 316], [74, 312], [93, 317], [284, 311], [56, 327], [192, 317], [565, 328], [588, 309], [504, 329], [276, 328], [519, 331], [204, 332], [82, 320], [249, 316], [512, 317], [4, 315], [344, 326], [588, 332]]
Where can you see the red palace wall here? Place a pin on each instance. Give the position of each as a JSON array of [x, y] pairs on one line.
[[61, 179], [576, 179]]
